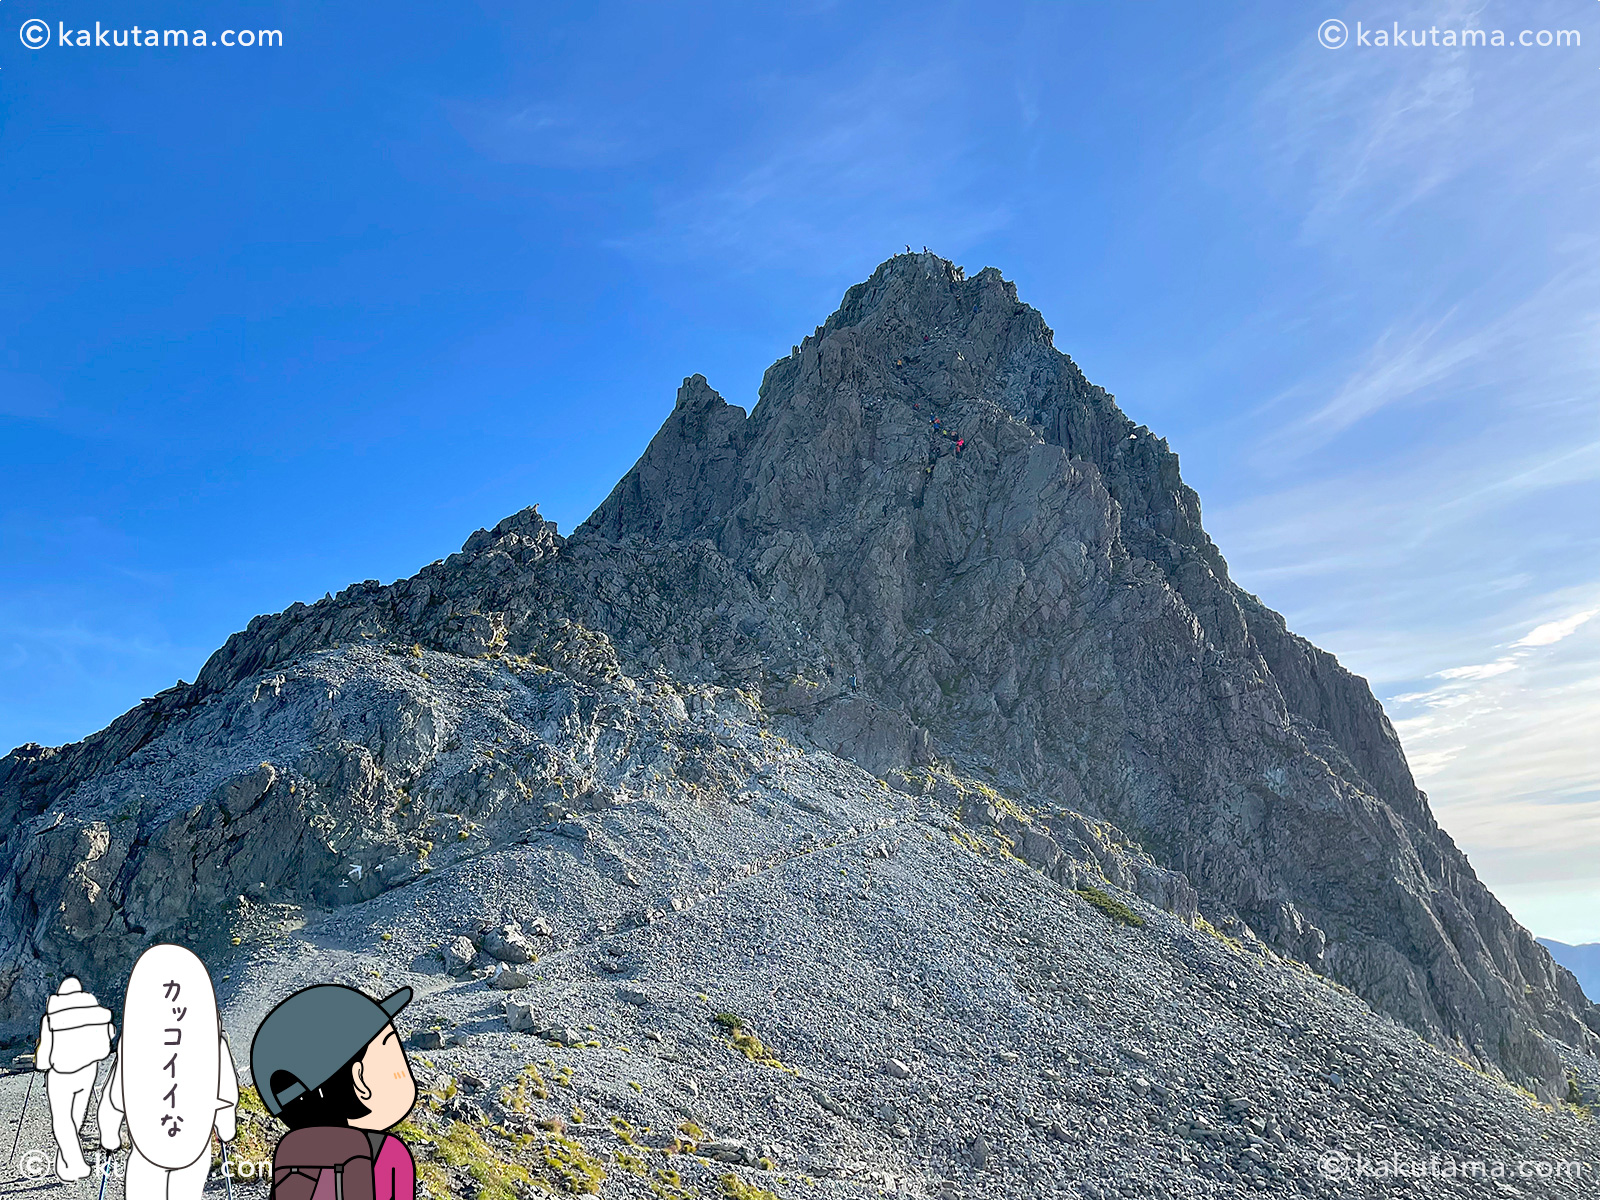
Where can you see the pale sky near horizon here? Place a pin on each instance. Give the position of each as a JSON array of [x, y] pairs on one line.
[[276, 320]]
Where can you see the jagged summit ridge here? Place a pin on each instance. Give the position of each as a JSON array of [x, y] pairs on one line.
[[930, 540]]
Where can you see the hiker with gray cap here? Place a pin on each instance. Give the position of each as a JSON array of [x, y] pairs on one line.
[[330, 1065]]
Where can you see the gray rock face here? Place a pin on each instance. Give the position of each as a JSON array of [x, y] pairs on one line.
[[508, 944], [520, 1017], [508, 978], [1583, 961], [933, 549], [459, 954]]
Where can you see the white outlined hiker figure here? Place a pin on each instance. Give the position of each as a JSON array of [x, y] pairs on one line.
[[174, 1080], [74, 1036]]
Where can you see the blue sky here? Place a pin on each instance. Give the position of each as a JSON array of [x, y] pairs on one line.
[[277, 319]]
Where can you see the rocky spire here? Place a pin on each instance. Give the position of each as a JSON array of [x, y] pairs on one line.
[[998, 552]]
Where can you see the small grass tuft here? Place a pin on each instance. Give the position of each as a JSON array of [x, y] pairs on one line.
[[575, 1169], [668, 1185], [1205, 926], [751, 1047], [257, 1131], [529, 1085], [735, 1188], [1111, 906]]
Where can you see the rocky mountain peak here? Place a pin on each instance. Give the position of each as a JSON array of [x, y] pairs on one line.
[[979, 536], [932, 549]]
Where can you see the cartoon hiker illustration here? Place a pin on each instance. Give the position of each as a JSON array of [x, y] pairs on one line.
[[74, 1036], [174, 1080], [330, 1065]]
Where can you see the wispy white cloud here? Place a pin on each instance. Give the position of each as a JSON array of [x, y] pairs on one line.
[[1466, 591], [1480, 671], [1508, 755], [1432, 541], [1454, 179], [1392, 121], [866, 158], [1538, 355], [1356, 134], [1552, 632], [1422, 505]]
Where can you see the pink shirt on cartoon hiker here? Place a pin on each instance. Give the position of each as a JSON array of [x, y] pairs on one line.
[[329, 1065]]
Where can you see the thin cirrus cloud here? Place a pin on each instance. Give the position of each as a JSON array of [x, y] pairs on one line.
[[860, 161], [1408, 568], [553, 135], [1536, 355], [1374, 135], [1350, 132], [1420, 502], [1541, 693], [1512, 749], [1480, 671], [1458, 679]]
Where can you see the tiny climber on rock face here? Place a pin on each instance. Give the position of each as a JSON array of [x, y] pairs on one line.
[[330, 1065]]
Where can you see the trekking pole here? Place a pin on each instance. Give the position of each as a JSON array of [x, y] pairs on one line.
[[105, 1169], [227, 1168], [32, 1075]]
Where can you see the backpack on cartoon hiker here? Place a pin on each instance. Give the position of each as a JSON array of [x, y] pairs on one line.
[[296, 1049], [327, 1162]]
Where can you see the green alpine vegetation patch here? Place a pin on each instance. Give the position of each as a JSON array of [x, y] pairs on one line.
[[735, 1188], [1111, 906]]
